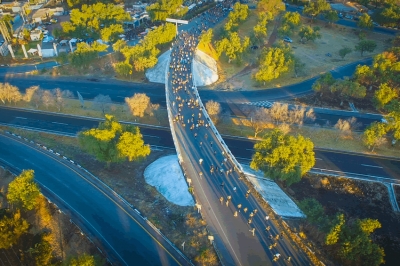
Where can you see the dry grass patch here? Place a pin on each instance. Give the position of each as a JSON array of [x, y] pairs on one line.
[[312, 54]]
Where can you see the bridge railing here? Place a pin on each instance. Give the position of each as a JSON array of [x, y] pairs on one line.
[[214, 129]]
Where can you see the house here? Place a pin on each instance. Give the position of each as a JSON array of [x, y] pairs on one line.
[[48, 49], [36, 35]]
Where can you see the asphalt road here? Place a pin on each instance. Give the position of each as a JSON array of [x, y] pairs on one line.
[[332, 161], [230, 101], [241, 238], [124, 237]]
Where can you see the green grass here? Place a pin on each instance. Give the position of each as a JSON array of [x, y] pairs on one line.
[[20, 53]]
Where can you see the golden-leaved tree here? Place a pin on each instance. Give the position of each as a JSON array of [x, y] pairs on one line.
[[112, 142]]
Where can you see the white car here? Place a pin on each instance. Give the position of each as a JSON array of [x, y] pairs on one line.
[[287, 39]]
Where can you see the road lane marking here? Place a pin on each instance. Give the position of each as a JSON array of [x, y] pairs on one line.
[[59, 123], [112, 199], [372, 166], [318, 159], [18, 117]]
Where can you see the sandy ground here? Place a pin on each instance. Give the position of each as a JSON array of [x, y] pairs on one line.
[[281, 203], [166, 176], [204, 69]]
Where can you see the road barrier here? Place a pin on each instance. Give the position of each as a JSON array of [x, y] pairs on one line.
[[16, 171]]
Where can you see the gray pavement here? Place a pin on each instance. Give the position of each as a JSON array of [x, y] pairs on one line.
[[125, 236], [214, 174]]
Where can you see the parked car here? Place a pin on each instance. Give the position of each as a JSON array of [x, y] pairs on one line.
[[53, 20], [375, 24], [287, 39], [348, 16], [340, 15]]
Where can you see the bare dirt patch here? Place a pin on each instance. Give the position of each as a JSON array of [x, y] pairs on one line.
[[356, 199]]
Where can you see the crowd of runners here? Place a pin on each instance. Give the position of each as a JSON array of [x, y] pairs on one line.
[[187, 111]]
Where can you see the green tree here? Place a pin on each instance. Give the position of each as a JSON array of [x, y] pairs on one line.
[[390, 15], [111, 33], [313, 9], [283, 157], [273, 63], [83, 260], [365, 22], [11, 229], [323, 84], [365, 46], [260, 29], [113, 142], [356, 246], [307, 33], [162, 9], [293, 19], [344, 51], [23, 191], [290, 21], [90, 19], [42, 252], [374, 135], [313, 210], [119, 45], [232, 46], [347, 89], [384, 95], [332, 16], [62, 58], [123, 69], [83, 56], [206, 37], [332, 237], [393, 125], [273, 6]]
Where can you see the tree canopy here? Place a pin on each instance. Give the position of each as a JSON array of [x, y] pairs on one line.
[[365, 22], [307, 33], [313, 9], [239, 14], [283, 157], [94, 21], [113, 142], [365, 46], [144, 55], [232, 46], [11, 229], [162, 9], [273, 63], [273, 6], [23, 191]]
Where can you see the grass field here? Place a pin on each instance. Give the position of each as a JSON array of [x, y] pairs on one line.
[[312, 54]]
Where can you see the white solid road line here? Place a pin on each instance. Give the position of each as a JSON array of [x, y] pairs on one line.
[[372, 166], [318, 159], [59, 123], [18, 117]]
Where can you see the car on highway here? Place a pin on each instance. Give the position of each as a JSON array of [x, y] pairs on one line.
[[348, 16], [287, 39]]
